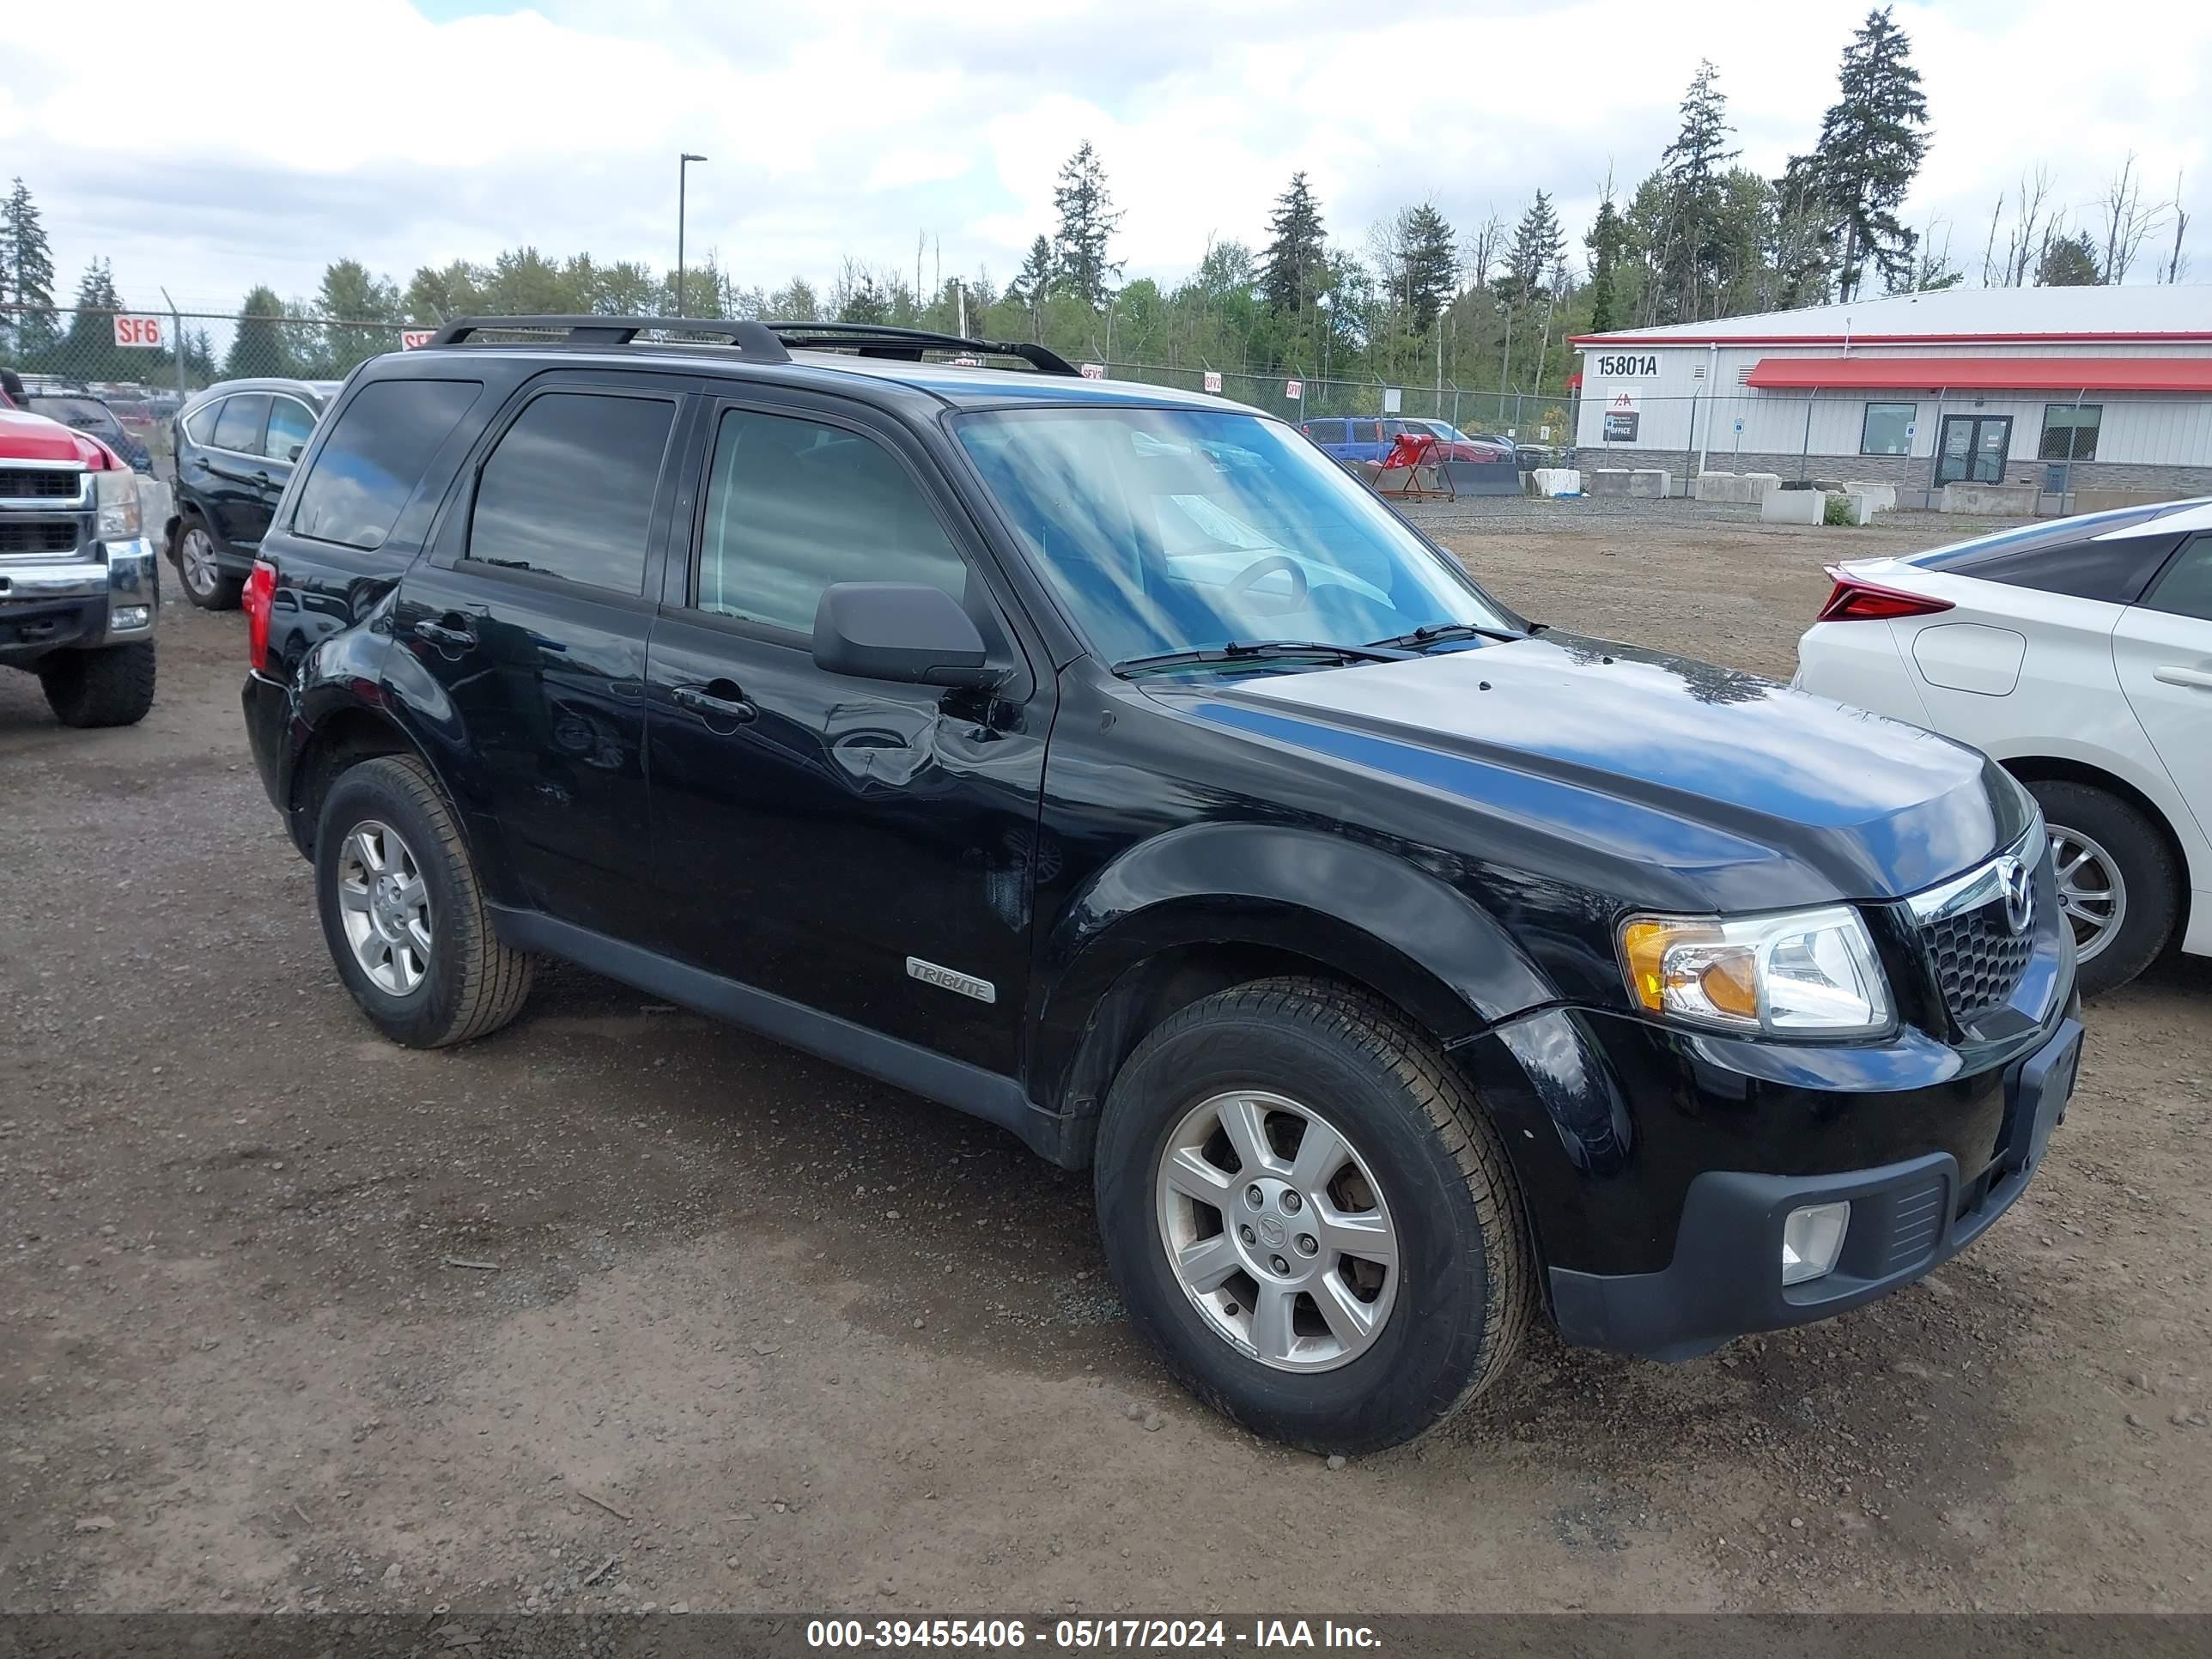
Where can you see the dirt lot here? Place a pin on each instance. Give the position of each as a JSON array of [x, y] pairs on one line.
[[771, 1336]]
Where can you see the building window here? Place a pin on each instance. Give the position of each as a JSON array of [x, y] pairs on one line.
[[1888, 429], [2069, 431]]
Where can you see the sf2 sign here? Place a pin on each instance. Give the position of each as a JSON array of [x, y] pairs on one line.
[[1627, 365], [414, 339], [141, 330]]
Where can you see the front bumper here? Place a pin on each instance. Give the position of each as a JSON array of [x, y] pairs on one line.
[[1907, 1216], [77, 602]]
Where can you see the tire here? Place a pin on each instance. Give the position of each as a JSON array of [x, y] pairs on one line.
[[1427, 1155], [2119, 840], [197, 573], [466, 984], [112, 685]]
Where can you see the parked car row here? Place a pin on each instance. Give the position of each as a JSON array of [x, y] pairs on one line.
[[1354, 439]]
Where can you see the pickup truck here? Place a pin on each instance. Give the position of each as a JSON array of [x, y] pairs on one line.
[[79, 590]]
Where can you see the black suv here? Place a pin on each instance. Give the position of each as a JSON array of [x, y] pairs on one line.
[[1102, 761], [236, 445]]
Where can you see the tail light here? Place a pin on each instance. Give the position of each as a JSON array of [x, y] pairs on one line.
[[1861, 601], [259, 595]]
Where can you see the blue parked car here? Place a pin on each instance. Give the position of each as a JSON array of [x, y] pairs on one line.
[[1350, 439]]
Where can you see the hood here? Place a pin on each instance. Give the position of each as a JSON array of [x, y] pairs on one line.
[[27, 437], [1690, 781]]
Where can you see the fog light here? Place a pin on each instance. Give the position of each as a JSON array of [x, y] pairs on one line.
[[123, 616], [1811, 1239]]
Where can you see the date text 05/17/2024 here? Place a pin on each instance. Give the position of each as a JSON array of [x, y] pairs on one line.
[[1144, 1634]]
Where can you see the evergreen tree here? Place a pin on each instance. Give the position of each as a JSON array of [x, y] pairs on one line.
[[1872, 139], [1604, 244], [795, 302], [1295, 263], [2069, 262], [258, 347], [1033, 281], [1087, 222], [1537, 244], [27, 277], [88, 351], [1694, 255], [1431, 255]]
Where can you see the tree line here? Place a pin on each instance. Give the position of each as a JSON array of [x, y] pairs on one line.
[[1415, 299]]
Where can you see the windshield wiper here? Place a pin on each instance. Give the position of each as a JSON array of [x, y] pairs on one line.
[[1430, 633], [1250, 650]]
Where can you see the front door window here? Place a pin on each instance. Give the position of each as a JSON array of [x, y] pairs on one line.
[[1974, 448]]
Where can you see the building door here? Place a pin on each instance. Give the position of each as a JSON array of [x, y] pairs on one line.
[[1974, 449]]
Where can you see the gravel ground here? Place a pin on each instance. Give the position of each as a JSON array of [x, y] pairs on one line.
[[621, 1309]]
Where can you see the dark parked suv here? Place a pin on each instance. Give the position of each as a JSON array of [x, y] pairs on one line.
[[235, 445], [1104, 761]]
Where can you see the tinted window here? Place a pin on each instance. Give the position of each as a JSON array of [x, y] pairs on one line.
[[794, 505], [375, 456], [2114, 571], [2069, 432], [1367, 432], [290, 425], [2185, 590], [1963, 556], [1883, 432], [1326, 432], [199, 425], [239, 426], [85, 414], [570, 491]]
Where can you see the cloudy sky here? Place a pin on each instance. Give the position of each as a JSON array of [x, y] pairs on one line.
[[207, 145]]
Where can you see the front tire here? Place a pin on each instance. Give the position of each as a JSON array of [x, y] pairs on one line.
[[1311, 1217], [112, 685], [197, 571], [403, 913], [2119, 883]]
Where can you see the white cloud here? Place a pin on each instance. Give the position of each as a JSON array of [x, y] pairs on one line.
[[374, 131]]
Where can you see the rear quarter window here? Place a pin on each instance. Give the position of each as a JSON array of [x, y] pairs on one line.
[[375, 456], [2115, 571]]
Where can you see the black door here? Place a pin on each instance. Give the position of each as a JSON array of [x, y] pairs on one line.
[[531, 614], [828, 839], [1974, 448], [234, 479]]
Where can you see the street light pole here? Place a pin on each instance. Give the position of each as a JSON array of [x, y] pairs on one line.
[[682, 162]]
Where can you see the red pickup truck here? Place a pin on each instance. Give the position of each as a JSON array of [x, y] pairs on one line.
[[79, 587]]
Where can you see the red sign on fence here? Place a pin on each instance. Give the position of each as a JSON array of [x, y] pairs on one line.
[[1295, 391], [1214, 379], [1094, 371], [140, 331], [414, 339]]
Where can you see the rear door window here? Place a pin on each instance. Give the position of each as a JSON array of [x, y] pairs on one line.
[[2185, 589], [291, 424], [570, 491], [238, 426], [376, 457]]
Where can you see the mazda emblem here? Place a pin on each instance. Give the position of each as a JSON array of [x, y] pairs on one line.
[[2018, 883]]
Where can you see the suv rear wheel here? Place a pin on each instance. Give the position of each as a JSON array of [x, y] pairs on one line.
[[1310, 1214], [403, 913], [112, 685], [204, 584], [2119, 883]]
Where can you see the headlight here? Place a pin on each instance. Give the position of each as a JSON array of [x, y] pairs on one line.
[[1811, 972], [116, 490]]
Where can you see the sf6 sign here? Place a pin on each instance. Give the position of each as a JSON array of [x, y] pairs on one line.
[[138, 331], [1627, 365]]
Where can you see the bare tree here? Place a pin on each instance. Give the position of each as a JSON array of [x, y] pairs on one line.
[[2176, 265], [2127, 219], [2028, 236]]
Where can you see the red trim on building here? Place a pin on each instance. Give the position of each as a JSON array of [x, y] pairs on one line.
[[1985, 374], [2179, 336]]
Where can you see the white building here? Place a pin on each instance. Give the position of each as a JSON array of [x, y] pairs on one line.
[[2068, 390]]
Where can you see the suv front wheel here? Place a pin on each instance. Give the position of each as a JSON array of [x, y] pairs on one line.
[[1311, 1215], [403, 913]]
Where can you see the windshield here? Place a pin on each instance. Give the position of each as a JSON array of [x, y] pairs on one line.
[[1177, 530]]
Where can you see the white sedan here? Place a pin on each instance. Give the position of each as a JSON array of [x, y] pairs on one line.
[[2078, 653]]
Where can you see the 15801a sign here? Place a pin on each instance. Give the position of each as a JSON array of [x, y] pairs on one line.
[[1627, 365]]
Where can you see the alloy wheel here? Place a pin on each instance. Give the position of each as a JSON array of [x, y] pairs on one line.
[[1276, 1229], [196, 562], [2092, 893], [385, 907]]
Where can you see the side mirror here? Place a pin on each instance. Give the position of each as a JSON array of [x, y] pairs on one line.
[[903, 631]]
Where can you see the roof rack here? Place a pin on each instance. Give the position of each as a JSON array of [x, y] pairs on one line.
[[907, 344], [770, 342]]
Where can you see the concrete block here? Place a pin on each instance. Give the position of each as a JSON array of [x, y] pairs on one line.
[[1758, 485], [1880, 497], [1650, 483], [1555, 481], [1718, 487], [1609, 481], [2107, 501], [2005, 500], [1859, 505], [1793, 507]]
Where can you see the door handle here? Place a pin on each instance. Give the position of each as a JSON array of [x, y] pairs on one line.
[[261, 477], [451, 631], [2172, 675], [718, 701]]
